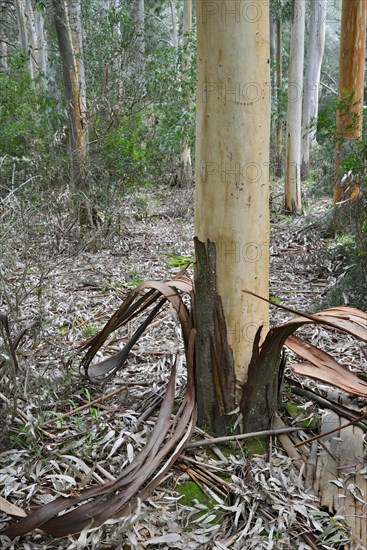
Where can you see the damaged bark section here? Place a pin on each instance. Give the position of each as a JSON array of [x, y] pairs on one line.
[[215, 375], [261, 392]]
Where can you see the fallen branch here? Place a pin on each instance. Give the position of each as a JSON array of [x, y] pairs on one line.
[[332, 431], [240, 437]]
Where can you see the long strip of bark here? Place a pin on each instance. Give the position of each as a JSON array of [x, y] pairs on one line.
[[240, 437]]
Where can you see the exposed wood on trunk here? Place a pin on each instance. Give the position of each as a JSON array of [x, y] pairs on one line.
[[215, 376], [351, 79], [67, 16], [294, 111]]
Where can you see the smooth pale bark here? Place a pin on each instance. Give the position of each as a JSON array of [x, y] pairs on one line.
[[23, 32], [67, 17], [315, 54], [279, 83], [32, 38], [294, 110], [186, 178], [231, 203], [139, 17], [174, 24], [3, 55], [41, 41], [351, 76]]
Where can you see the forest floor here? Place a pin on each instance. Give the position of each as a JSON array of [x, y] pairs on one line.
[[65, 287]]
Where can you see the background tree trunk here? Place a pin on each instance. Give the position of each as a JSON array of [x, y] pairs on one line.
[[23, 32], [351, 78], [315, 53], [279, 83], [32, 39], [67, 17], [231, 203], [3, 55], [186, 166], [139, 17], [41, 40], [174, 24], [294, 110]]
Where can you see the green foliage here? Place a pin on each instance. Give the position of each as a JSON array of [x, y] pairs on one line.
[[174, 84], [124, 151], [29, 118], [176, 260], [27, 115]]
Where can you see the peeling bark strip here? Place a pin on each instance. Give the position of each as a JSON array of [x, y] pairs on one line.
[[260, 394], [215, 376]]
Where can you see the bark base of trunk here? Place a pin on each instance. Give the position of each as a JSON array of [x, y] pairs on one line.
[[215, 376]]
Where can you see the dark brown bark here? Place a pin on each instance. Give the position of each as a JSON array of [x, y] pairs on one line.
[[215, 376]]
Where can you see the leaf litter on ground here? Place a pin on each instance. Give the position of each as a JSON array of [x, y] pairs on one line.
[[267, 504]]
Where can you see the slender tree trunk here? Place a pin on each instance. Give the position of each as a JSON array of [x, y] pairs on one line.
[[231, 204], [186, 166], [315, 54], [32, 39], [67, 16], [23, 32], [41, 40], [351, 78], [174, 24], [3, 55], [273, 40], [139, 16], [294, 110], [279, 83]]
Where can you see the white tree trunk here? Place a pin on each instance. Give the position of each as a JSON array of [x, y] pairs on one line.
[[139, 16], [23, 31], [174, 24], [186, 152], [294, 110], [315, 54], [231, 197], [3, 55], [279, 83], [32, 38], [41, 39]]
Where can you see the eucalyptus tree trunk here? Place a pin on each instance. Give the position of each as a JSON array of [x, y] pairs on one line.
[[3, 55], [351, 78], [315, 54], [279, 83], [68, 24], [32, 39], [231, 205], [41, 41], [139, 17], [174, 24], [19, 6], [186, 165], [294, 110]]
